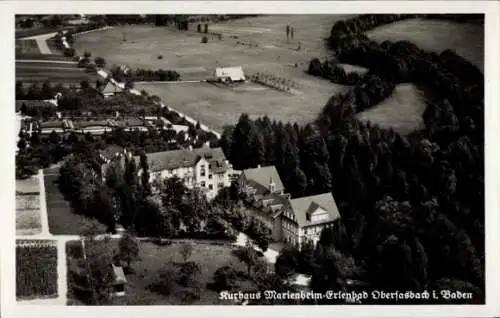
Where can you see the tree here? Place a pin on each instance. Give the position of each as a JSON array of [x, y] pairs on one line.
[[128, 249], [186, 251], [247, 254], [287, 262], [100, 62], [225, 278], [97, 260]]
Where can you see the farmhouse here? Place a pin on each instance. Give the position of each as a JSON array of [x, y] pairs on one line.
[[307, 217], [204, 168], [229, 74], [110, 90]]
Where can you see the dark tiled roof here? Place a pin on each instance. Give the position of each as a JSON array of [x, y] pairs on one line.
[[306, 205], [168, 160], [259, 178]]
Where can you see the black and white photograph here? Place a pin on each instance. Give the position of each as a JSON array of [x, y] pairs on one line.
[[249, 159]]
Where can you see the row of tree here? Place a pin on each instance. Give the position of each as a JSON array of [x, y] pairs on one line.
[[120, 75], [331, 71]]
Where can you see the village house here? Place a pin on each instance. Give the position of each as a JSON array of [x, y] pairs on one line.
[[110, 90], [204, 168]]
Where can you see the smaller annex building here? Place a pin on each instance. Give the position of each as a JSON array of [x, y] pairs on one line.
[[230, 74]]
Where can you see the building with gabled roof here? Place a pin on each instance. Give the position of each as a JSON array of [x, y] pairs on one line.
[[294, 221], [205, 168], [110, 90], [117, 281], [307, 217], [261, 180], [230, 74]]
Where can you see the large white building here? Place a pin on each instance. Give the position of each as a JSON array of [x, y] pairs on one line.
[[294, 221], [204, 168]]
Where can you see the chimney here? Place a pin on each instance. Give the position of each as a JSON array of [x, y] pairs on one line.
[[258, 166], [190, 147]]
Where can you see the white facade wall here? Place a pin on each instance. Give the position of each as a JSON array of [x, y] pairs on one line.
[[198, 176]]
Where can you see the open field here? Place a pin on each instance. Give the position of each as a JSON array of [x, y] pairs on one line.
[[34, 71], [183, 49], [61, 218], [402, 110], [467, 39], [216, 106], [153, 258], [36, 270], [42, 57], [263, 48], [27, 47]]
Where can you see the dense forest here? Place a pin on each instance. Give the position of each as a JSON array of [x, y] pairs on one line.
[[412, 206]]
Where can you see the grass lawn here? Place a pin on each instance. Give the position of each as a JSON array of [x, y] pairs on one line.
[[61, 218], [467, 39], [154, 257], [402, 110], [28, 222], [30, 185], [36, 269], [27, 202], [28, 219], [217, 106], [27, 47]]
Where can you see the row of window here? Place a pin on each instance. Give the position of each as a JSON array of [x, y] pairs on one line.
[[220, 185]]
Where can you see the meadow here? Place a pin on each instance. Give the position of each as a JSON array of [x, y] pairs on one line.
[[153, 258], [257, 44], [402, 111], [467, 39]]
